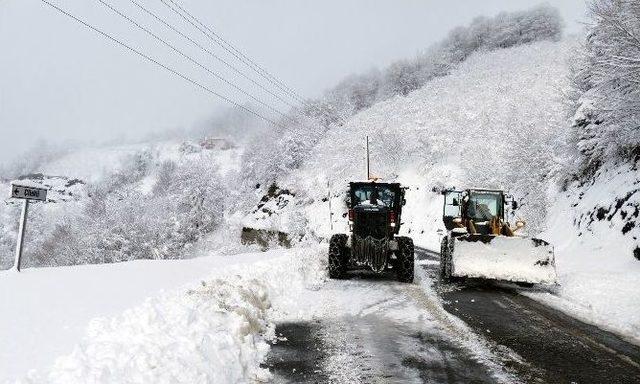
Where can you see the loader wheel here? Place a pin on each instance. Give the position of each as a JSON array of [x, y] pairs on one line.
[[338, 256], [445, 267], [405, 260]]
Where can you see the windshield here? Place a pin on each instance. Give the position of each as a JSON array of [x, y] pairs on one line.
[[484, 206], [383, 195]]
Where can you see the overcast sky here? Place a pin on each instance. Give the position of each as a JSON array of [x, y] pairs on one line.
[[60, 81]]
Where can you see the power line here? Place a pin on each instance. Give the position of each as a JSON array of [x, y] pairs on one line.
[[156, 62], [181, 53], [173, 28], [213, 36], [189, 18]]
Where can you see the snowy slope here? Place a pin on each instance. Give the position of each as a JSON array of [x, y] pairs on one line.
[[109, 183], [92, 164], [493, 123], [594, 230]]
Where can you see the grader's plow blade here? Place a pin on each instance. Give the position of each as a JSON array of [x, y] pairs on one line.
[[515, 259]]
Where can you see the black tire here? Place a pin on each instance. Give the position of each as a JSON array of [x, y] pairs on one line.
[[445, 266], [405, 260], [338, 256]]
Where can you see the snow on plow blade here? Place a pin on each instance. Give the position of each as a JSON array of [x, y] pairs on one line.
[[515, 259]]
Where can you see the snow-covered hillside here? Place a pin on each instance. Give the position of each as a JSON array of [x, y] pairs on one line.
[[122, 203], [494, 122], [594, 230]]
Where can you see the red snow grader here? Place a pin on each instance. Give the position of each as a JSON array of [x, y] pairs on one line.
[[375, 211]]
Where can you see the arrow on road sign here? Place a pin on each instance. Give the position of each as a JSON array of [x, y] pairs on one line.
[[29, 193]]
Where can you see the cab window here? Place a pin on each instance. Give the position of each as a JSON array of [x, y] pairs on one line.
[[385, 196], [483, 206], [452, 204]]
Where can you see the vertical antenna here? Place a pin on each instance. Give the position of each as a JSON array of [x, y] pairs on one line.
[[368, 173]]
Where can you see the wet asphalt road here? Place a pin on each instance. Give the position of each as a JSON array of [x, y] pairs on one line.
[[379, 338], [397, 355], [551, 347], [556, 348]]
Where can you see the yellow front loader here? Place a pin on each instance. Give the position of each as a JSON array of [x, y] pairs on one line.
[[481, 244]]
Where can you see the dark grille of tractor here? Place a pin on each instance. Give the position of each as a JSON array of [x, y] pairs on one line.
[[370, 238], [371, 223], [371, 252]]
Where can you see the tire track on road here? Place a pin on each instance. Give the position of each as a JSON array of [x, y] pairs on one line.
[[556, 347]]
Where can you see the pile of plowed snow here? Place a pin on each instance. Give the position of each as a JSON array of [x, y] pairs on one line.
[[211, 333], [214, 329]]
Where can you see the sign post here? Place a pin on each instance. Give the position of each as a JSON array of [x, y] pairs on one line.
[[26, 193], [22, 228]]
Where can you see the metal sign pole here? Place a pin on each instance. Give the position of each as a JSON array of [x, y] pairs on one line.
[[25, 192], [23, 225]]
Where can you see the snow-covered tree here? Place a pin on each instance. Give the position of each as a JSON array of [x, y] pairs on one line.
[[402, 77], [606, 81], [277, 153]]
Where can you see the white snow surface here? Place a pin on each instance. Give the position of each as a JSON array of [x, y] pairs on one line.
[[599, 277], [505, 258], [210, 330]]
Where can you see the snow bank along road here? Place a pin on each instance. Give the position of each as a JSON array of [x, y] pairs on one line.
[[374, 330]]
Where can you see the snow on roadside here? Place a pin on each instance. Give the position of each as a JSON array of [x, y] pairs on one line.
[[213, 330], [212, 333], [599, 276], [50, 307]]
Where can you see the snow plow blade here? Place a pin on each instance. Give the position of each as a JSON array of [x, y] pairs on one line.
[[515, 259]]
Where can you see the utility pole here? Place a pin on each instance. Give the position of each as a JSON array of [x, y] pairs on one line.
[[330, 211], [368, 170]]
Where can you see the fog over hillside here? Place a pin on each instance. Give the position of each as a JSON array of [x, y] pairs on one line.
[[69, 85]]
